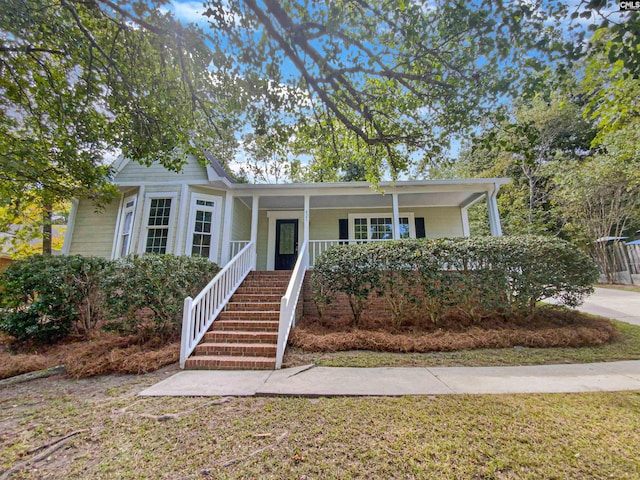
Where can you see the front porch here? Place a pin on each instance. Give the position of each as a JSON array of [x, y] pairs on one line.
[[279, 219], [286, 227]]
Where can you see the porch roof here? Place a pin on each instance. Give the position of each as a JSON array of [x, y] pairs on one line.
[[459, 192]]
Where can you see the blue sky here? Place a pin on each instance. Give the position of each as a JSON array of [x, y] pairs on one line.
[[191, 12]]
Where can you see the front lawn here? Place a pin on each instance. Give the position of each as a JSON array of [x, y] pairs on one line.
[[119, 435]]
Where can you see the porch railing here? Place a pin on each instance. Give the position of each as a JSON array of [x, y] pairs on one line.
[[289, 302], [235, 246], [317, 247], [200, 312]]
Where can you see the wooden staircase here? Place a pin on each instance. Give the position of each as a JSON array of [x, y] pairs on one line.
[[245, 334]]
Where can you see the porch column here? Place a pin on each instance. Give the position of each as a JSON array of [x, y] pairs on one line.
[[179, 248], [396, 217], [227, 228], [464, 213], [494, 215], [305, 230], [254, 228]]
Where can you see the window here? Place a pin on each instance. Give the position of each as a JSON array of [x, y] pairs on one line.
[[379, 227], [125, 229], [157, 240], [202, 239]]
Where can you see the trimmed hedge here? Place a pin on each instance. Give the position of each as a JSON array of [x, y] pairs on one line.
[[144, 295], [45, 298], [475, 276]]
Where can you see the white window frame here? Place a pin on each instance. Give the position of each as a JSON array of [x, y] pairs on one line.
[[144, 227], [216, 226], [124, 210], [369, 216]]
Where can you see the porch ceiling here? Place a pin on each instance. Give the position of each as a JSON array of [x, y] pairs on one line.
[[369, 200]]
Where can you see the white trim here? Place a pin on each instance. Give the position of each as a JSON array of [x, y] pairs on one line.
[[227, 228], [116, 231], [305, 227], [494, 214], [369, 216], [215, 222], [135, 239], [274, 215], [119, 163], [255, 210], [122, 215], [71, 225], [182, 218], [396, 217], [144, 223], [464, 213], [159, 184]]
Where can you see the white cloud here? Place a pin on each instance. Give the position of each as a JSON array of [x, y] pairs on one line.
[[189, 12]]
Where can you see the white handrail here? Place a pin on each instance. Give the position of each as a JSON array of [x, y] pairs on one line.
[[200, 312], [316, 247], [289, 302], [235, 246]]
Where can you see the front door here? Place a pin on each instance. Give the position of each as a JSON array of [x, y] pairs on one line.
[[286, 244]]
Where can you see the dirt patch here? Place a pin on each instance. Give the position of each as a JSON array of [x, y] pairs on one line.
[[547, 328], [103, 354]]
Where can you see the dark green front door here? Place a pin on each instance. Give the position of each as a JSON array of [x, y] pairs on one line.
[[286, 244]]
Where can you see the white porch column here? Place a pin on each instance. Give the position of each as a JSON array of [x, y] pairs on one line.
[[464, 212], [305, 231], [227, 227], [254, 228], [179, 248], [494, 215], [136, 233], [396, 217]]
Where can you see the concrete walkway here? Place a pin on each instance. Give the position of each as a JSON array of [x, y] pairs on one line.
[[313, 381], [326, 381]]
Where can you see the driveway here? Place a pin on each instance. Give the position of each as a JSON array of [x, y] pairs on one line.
[[611, 303]]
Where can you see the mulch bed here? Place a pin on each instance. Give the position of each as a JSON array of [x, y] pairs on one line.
[[548, 327], [105, 353]]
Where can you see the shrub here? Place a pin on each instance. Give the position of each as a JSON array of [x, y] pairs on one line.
[[476, 277], [350, 270], [45, 298], [144, 295]]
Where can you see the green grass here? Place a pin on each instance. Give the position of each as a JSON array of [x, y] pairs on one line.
[[626, 348], [429, 437]]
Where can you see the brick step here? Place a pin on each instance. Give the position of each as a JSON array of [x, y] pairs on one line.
[[252, 306], [256, 297], [254, 290], [250, 315], [211, 362], [236, 349], [241, 336], [269, 273], [221, 325], [266, 284]]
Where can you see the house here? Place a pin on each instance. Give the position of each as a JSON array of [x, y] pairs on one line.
[[265, 237]]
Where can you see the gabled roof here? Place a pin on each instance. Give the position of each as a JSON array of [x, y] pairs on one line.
[[217, 167]]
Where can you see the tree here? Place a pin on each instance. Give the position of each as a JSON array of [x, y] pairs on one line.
[[525, 147], [600, 198], [80, 78], [401, 77]]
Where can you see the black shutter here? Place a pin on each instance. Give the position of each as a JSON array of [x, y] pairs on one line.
[[343, 229], [420, 233]]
